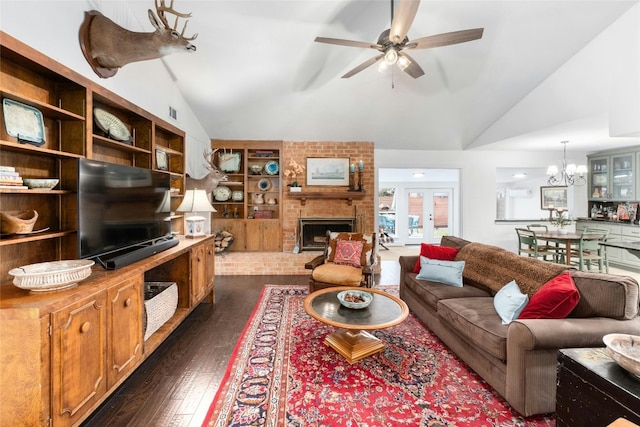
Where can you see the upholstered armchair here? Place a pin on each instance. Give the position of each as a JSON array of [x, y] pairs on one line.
[[348, 260]]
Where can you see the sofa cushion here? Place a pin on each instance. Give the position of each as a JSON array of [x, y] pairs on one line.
[[337, 274], [604, 295], [492, 267], [435, 252], [447, 272], [432, 292], [554, 300], [348, 252], [453, 242], [509, 302], [476, 320]]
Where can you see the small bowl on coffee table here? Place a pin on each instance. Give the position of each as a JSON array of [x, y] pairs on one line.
[[355, 299]]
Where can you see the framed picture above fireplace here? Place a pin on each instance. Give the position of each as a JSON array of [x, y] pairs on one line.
[[328, 171]]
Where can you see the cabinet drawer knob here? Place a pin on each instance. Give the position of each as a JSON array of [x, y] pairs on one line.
[[127, 302], [85, 327]]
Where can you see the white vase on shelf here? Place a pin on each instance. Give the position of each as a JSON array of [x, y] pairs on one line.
[[295, 189]]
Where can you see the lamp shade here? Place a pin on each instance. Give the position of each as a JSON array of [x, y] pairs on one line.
[[195, 201]]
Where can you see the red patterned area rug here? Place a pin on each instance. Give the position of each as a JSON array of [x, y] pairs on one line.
[[282, 374]]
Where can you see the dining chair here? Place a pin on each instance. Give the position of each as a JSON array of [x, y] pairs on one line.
[[529, 245], [550, 246], [588, 250]]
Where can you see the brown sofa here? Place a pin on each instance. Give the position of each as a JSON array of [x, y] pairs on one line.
[[519, 360]]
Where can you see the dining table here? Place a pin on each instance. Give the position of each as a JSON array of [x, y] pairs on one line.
[[568, 239]]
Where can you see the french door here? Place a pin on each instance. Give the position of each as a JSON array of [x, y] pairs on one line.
[[429, 214]]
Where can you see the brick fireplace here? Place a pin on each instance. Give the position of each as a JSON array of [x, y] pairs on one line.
[[361, 211], [313, 231]]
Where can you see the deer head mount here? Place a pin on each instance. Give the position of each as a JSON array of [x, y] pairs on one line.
[[210, 181], [107, 46]]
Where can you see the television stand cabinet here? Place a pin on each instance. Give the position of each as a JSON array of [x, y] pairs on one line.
[[63, 353]]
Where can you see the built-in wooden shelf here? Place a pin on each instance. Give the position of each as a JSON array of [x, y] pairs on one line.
[[349, 196]]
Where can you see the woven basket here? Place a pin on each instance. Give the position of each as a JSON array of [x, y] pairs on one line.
[[161, 302], [17, 221]]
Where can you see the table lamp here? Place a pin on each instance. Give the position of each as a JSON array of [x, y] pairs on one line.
[[195, 201]]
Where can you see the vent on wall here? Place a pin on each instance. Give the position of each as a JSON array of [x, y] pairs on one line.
[[173, 113]]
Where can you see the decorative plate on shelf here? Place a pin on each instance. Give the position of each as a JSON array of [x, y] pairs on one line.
[[271, 168], [221, 193], [23, 122], [237, 196], [264, 184], [111, 125], [229, 162]]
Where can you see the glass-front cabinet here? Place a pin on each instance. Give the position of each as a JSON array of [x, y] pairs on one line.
[[599, 178], [622, 176]]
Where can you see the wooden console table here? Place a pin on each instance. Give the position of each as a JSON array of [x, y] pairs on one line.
[[62, 353], [593, 390]]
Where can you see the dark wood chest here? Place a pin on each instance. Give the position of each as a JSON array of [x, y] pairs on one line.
[[593, 390]]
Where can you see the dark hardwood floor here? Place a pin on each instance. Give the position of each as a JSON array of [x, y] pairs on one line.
[[177, 383]]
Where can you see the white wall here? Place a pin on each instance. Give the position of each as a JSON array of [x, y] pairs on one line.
[[478, 185], [51, 27]]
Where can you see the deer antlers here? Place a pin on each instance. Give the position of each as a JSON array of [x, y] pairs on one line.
[[208, 155], [161, 8]]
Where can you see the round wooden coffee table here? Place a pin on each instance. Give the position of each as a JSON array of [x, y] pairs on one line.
[[352, 339]]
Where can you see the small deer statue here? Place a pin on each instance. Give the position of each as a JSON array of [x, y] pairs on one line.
[[210, 181], [107, 46]]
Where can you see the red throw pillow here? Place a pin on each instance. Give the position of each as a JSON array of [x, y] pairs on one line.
[[554, 300], [441, 253], [348, 253]]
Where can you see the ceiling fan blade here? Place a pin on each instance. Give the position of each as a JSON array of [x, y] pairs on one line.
[[343, 42], [445, 39], [362, 66], [413, 69], [402, 20]]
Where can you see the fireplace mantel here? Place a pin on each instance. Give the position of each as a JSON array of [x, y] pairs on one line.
[[349, 196]]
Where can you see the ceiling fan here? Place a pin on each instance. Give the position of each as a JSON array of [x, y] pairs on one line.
[[392, 42]]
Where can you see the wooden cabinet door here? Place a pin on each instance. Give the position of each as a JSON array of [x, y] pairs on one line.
[[253, 238], [78, 374], [125, 328], [238, 228], [198, 273], [210, 269], [271, 241]]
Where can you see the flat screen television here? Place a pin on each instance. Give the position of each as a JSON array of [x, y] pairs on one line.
[[121, 209]]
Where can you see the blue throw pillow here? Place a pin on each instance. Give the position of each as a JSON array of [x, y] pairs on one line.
[[447, 272], [509, 302]]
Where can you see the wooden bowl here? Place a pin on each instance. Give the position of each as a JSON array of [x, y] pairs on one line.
[[12, 222], [624, 349]]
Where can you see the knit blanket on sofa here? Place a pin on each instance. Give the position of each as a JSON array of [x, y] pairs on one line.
[[491, 267]]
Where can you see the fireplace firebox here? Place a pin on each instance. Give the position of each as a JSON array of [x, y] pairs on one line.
[[313, 231]]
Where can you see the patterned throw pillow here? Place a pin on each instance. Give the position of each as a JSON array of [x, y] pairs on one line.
[[367, 245], [348, 252]]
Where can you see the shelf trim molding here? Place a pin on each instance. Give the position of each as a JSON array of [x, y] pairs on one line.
[[349, 196]]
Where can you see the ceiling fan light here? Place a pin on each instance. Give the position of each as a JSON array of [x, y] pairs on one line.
[[391, 56], [403, 62], [382, 66]]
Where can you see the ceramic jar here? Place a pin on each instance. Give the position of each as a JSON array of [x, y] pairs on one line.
[[258, 198]]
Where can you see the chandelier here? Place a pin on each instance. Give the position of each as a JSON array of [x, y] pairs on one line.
[[570, 174]]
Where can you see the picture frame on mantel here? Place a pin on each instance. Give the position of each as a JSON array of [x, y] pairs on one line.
[[554, 198], [328, 171]]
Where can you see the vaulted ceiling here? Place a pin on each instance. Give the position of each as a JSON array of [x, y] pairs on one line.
[[544, 71]]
